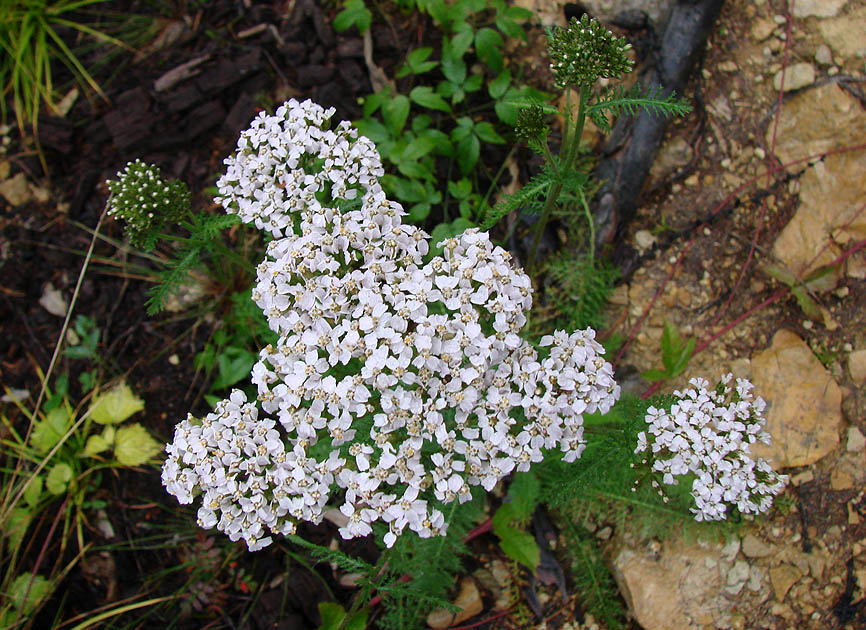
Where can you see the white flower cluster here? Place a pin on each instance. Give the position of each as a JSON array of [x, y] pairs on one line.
[[707, 434], [394, 381]]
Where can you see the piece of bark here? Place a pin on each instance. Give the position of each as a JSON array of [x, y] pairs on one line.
[[635, 140]]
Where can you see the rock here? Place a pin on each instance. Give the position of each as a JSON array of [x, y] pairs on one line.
[[857, 366], [468, 600], [804, 477], [856, 441], [831, 195], [818, 8], [763, 28], [823, 55], [673, 156], [783, 578], [16, 190], [644, 239], [797, 76], [815, 121], [673, 589], [804, 414], [757, 575], [848, 472], [844, 34], [52, 300], [754, 547], [737, 577]]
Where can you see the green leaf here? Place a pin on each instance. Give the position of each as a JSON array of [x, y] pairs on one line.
[[682, 358], [519, 13], [410, 190], [28, 591], [418, 55], [354, 13], [420, 122], [443, 142], [332, 615], [499, 85], [461, 42], [115, 405], [419, 212], [474, 6], [488, 46], [15, 526], [510, 28], [134, 446], [822, 279], [395, 111], [424, 96], [373, 102], [444, 231], [375, 131], [460, 189], [34, 491], [58, 478], [415, 170], [520, 546], [524, 491], [48, 431], [468, 150], [95, 444], [809, 306], [453, 66], [654, 375], [473, 83], [671, 346], [486, 132]]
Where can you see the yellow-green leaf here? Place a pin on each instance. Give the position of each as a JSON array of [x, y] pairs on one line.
[[115, 405], [58, 478], [48, 431], [28, 591], [15, 526], [95, 444], [134, 446], [33, 491]]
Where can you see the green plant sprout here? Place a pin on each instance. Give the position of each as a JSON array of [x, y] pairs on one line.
[[676, 354], [580, 54], [62, 455]]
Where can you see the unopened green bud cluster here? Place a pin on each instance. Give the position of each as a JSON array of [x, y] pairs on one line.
[[147, 202], [586, 51], [530, 123]]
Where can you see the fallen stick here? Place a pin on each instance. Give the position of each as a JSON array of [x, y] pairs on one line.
[[629, 153]]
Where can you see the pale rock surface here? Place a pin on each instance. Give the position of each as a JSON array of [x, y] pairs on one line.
[[679, 588], [803, 413], [818, 120], [832, 192], [856, 441], [823, 55], [468, 600], [754, 547], [673, 155], [849, 472], [797, 76], [52, 300], [857, 366], [763, 28], [844, 34], [550, 13], [818, 8], [16, 190]]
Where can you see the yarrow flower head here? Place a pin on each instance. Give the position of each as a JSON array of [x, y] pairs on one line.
[[396, 384], [706, 435], [146, 202], [586, 51]]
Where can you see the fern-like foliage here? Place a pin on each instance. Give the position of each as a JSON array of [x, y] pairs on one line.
[[172, 278], [619, 100], [578, 289], [432, 563]]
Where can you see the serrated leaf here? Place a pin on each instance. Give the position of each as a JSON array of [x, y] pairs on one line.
[[460, 189], [115, 405], [499, 85], [354, 13], [520, 546], [461, 42], [49, 430], [473, 83], [488, 45], [468, 150], [15, 526], [524, 492], [486, 132], [34, 491], [424, 96], [510, 28], [395, 111], [453, 66], [134, 446], [28, 591], [58, 478], [95, 444]]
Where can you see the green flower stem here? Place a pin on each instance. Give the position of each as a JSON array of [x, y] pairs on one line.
[[568, 150], [591, 223]]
